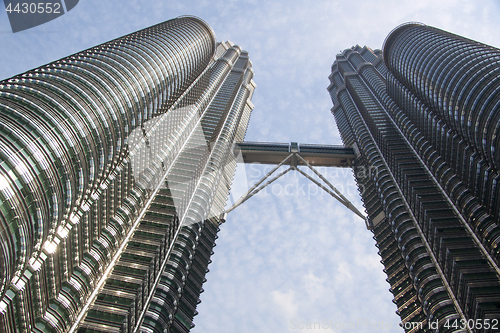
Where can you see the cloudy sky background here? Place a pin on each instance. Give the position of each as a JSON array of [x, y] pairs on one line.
[[281, 259]]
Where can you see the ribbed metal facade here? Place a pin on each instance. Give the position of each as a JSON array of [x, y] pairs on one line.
[[115, 163], [424, 123]]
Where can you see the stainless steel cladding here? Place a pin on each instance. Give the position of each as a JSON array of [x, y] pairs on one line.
[[424, 116], [107, 158]]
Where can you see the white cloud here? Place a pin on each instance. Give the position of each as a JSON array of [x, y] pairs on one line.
[[314, 286], [343, 275], [285, 301]]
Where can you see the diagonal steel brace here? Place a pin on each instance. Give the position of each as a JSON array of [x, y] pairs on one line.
[[335, 193]]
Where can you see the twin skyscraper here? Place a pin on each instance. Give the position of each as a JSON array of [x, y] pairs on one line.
[[424, 115], [116, 164]]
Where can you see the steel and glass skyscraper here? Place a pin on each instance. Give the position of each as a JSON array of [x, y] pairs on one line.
[[424, 118], [115, 164]]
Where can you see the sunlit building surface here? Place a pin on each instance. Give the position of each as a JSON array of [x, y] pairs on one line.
[[424, 119], [115, 164]]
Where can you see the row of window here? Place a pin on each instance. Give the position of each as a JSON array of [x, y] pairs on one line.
[[413, 186], [83, 107]]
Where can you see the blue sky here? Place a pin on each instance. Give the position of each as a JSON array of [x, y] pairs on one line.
[[281, 259]]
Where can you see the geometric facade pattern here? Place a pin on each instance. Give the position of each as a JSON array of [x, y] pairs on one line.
[[115, 164], [424, 118]]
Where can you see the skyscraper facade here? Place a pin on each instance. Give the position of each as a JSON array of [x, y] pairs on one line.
[[424, 118], [115, 165]]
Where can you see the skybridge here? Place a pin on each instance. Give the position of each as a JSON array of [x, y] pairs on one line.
[[314, 154], [295, 155]]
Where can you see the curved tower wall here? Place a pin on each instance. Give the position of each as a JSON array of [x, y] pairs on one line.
[[427, 177], [449, 89], [65, 127], [106, 155], [458, 78]]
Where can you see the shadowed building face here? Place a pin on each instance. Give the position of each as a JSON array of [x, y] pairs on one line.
[[426, 116]]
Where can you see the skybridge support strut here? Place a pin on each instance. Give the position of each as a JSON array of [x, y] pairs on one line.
[[320, 155]]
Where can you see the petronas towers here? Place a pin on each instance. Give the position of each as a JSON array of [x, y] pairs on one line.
[[116, 163]]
